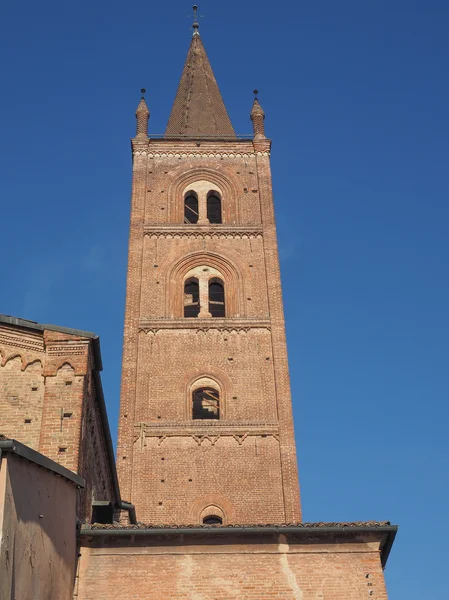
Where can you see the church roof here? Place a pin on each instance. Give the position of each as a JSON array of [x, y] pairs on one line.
[[198, 109], [277, 526], [312, 531]]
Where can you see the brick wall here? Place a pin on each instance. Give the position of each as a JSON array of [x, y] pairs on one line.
[[48, 401], [93, 459], [213, 570], [244, 353], [21, 400]]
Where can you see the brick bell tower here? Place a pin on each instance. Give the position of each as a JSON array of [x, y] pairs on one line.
[[205, 426]]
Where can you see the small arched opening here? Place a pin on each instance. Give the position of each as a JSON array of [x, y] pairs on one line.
[[205, 403], [191, 297], [214, 207], [190, 207], [217, 298], [212, 520]]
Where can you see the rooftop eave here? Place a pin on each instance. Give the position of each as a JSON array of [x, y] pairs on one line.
[[19, 449], [311, 532]]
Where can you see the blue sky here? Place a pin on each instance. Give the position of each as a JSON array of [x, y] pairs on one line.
[[356, 96]]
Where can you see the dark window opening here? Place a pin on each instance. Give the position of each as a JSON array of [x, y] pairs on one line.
[[102, 512], [216, 298], [191, 298], [191, 208], [206, 404], [214, 207], [212, 520]]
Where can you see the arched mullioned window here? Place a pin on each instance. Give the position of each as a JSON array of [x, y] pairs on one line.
[[216, 298], [214, 207], [191, 297], [191, 207], [205, 404], [212, 520]]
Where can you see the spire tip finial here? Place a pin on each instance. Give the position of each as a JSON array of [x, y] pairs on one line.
[[195, 24], [257, 117]]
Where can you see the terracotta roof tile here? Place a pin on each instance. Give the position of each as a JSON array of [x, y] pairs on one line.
[[319, 525]]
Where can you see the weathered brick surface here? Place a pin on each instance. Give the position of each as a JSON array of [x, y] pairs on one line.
[[216, 571], [48, 402], [244, 353], [93, 459], [21, 401]]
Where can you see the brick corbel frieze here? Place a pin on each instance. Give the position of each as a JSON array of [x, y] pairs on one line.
[[198, 231], [197, 154], [29, 347], [201, 432], [201, 148], [63, 348], [226, 325]]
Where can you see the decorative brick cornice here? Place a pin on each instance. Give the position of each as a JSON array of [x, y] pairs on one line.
[[60, 351], [198, 154], [200, 148], [19, 340], [201, 431], [225, 325], [77, 349], [208, 425], [198, 231]]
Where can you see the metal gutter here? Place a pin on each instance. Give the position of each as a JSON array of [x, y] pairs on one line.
[[131, 511], [88, 530], [386, 548], [41, 327], [39, 459]]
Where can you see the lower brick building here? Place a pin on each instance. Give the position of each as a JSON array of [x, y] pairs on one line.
[[307, 561], [206, 456]]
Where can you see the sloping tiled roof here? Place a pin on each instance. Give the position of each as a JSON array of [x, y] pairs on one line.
[[302, 530], [198, 109], [319, 525]]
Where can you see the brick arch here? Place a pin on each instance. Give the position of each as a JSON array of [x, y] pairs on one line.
[[230, 195], [215, 510], [6, 359], [221, 379], [197, 510], [232, 279], [33, 362], [64, 363]]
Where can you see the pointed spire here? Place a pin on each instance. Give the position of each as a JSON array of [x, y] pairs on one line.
[[198, 109], [257, 117], [142, 116]]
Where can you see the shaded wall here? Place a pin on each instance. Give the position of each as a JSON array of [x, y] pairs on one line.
[[37, 532]]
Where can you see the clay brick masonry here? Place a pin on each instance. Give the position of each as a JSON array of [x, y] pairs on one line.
[[49, 401], [173, 466]]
